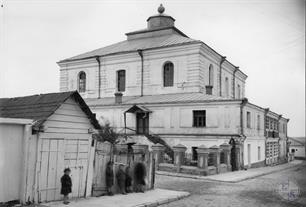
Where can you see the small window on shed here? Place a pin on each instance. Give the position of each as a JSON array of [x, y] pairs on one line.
[[168, 74], [82, 82]]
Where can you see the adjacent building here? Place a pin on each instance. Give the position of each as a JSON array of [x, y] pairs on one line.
[[297, 147], [40, 136], [160, 82]]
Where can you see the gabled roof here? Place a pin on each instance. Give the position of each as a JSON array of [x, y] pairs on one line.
[[138, 108], [40, 107], [134, 45], [297, 141]]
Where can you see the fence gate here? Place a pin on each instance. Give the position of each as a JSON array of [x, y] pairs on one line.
[[102, 156], [55, 156]]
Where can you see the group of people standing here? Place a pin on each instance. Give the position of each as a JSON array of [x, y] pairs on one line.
[[127, 181]]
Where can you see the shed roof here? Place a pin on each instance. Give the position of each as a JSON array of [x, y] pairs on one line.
[[155, 99], [40, 107]]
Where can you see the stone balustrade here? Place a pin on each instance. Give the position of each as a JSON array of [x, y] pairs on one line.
[[203, 154]]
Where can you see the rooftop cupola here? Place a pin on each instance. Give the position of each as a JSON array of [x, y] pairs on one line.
[[160, 20]]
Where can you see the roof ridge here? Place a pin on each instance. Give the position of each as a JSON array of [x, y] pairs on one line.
[[41, 94]]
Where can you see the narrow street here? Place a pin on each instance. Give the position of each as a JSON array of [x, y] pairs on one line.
[[260, 191]]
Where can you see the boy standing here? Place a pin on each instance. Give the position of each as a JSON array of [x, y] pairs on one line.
[[66, 185]]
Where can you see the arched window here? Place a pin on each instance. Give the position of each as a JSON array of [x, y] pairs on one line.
[[226, 87], [211, 75], [82, 82], [168, 74]]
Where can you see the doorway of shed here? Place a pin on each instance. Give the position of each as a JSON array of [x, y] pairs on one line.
[[55, 156]]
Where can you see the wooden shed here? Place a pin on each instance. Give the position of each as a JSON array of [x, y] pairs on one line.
[[60, 136]]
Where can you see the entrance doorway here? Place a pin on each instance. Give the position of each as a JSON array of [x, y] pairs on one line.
[[142, 123], [233, 155]]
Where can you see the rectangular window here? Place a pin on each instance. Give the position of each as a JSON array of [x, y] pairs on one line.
[[258, 122], [259, 152], [168, 74], [238, 91], [248, 119], [121, 80], [199, 118]]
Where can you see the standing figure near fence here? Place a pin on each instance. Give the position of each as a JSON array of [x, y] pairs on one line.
[[121, 177], [66, 185], [140, 174], [109, 177], [128, 180]]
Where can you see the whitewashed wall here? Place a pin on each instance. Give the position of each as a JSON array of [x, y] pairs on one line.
[[221, 118], [253, 130], [256, 156], [11, 153], [191, 72]]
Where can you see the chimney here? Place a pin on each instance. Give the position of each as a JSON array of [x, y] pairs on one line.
[[118, 98], [209, 89]]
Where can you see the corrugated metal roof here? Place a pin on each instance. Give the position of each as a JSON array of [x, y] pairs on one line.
[[151, 99], [40, 107], [136, 44]]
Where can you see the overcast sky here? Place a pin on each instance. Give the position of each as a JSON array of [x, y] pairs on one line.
[[265, 38]]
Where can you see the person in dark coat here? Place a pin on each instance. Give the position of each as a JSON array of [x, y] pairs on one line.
[[109, 177], [121, 179], [128, 180], [66, 185], [140, 174]]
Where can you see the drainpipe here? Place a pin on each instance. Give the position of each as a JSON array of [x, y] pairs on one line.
[[234, 78], [242, 104], [99, 66], [220, 74], [141, 56]]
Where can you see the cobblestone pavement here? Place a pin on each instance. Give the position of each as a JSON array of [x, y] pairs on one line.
[[260, 191]]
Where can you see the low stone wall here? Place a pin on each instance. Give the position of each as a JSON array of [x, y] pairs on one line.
[[192, 170], [208, 160]]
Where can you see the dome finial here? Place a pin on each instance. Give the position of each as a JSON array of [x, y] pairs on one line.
[[161, 9]]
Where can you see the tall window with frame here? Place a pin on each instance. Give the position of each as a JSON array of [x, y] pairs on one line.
[[199, 118], [248, 119], [211, 75], [226, 87], [168, 73], [121, 80], [258, 122], [238, 91], [82, 82]]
